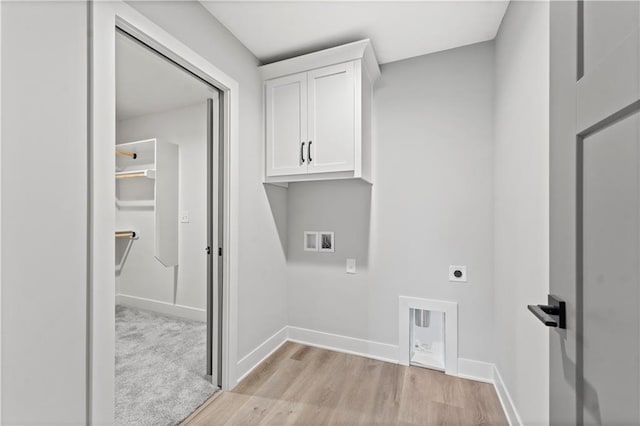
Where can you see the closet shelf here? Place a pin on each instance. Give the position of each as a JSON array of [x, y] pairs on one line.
[[131, 204], [157, 195], [126, 234], [146, 173]]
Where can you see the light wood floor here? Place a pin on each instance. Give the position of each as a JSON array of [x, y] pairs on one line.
[[301, 385]]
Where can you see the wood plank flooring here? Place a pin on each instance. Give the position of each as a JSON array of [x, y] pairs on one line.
[[302, 385]]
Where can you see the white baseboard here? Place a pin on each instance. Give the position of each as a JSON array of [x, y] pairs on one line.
[[259, 354], [475, 370], [505, 399], [179, 311], [467, 368], [349, 345]]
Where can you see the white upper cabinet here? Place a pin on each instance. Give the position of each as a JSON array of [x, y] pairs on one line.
[[287, 129], [331, 118], [318, 115]]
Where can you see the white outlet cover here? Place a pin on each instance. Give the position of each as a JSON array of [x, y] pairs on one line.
[[184, 217], [458, 273], [351, 266]]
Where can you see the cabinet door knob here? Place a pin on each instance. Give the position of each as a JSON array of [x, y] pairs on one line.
[[302, 153], [309, 151]]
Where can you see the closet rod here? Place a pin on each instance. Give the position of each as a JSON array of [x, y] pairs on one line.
[[127, 154], [130, 175], [126, 234]]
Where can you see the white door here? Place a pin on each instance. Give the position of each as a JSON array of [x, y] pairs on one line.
[[331, 119], [595, 212], [286, 122]]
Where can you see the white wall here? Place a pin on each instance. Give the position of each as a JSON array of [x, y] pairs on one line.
[[522, 206], [143, 276], [262, 278], [430, 206], [44, 212]]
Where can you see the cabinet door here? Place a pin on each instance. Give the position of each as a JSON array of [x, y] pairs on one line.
[[331, 119], [286, 125]]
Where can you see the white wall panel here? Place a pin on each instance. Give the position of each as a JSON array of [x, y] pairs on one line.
[[44, 212], [522, 206]]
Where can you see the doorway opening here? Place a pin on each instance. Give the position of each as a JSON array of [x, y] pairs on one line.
[[168, 211]]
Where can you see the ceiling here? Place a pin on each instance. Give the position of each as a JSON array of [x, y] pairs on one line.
[[147, 83], [275, 30]]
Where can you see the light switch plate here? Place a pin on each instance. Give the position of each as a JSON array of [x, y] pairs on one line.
[[184, 217], [351, 266], [458, 273]]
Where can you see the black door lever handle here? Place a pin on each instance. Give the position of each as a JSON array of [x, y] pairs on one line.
[[551, 315], [540, 313]]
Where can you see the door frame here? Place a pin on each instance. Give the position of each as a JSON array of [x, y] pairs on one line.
[[103, 18], [0, 216]]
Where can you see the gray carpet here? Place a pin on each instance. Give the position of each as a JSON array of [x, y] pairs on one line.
[[160, 368]]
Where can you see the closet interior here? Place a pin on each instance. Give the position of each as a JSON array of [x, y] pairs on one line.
[[166, 330]]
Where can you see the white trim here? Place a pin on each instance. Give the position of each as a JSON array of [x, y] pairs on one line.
[[0, 215], [106, 15], [479, 371], [312, 177], [450, 310], [508, 406], [358, 50], [179, 311], [348, 345], [248, 363]]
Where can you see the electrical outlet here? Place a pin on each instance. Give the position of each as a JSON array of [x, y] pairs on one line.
[[184, 217], [458, 273], [351, 266]]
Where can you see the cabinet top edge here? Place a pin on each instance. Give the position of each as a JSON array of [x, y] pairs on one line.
[[361, 49]]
